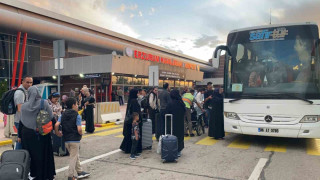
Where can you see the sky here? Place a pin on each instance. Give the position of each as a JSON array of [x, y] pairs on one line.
[[191, 27]]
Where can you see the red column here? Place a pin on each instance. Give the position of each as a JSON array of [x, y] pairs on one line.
[[22, 57], [13, 82]]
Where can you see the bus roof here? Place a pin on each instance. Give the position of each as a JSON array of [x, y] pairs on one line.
[[272, 25]]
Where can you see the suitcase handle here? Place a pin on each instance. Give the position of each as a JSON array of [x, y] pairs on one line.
[[165, 122]]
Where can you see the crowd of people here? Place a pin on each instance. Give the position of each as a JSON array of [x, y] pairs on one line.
[[67, 122], [66, 113], [157, 103]]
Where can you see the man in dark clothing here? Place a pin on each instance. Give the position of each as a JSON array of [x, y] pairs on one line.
[[165, 99], [207, 101], [216, 125]]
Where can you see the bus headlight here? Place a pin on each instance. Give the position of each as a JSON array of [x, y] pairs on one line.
[[231, 115], [310, 119]]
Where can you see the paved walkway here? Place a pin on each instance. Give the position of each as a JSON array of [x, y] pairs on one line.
[[3, 138]]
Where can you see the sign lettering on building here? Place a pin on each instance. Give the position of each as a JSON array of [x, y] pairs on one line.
[[168, 74], [154, 58]]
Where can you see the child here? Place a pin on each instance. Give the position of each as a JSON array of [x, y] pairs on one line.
[[135, 135], [70, 121]]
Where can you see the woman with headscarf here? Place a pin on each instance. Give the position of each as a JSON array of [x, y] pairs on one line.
[[177, 108], [132, 106], [216, 124], [53, 101], [39, 146]]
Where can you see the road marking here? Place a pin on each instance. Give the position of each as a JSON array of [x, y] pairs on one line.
[[186, 138], [257, 170], [120, 136], [90, 160], [276, 146], [105, 133], [6, 142], [313, 147], [241, 143], [208, 141], [97, 129]]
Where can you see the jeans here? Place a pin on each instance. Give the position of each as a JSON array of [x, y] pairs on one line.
[[120, 100], [18, 145], [134, 147]]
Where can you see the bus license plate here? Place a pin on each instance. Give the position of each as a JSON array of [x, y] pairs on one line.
[[268, 130]]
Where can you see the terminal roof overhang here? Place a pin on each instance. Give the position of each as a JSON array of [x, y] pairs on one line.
[[47, 25]]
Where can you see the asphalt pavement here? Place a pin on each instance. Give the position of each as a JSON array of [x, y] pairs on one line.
[[236, 157]]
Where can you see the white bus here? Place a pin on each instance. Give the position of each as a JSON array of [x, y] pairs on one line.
[[272, 81]]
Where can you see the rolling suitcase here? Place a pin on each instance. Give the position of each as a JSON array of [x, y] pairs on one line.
[[146, 133], [169, 144], [15, 165], [58, 145]]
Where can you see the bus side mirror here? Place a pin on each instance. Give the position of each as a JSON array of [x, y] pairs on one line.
[[216, 59], [216, 55]]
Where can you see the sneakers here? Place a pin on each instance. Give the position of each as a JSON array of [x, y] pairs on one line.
[[179, 154], [137, 155], [83, 175], [133, 157], [191, 135]]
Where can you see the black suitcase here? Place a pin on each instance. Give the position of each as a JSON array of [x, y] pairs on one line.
[[15, 165], [169, 144], [58, 145]]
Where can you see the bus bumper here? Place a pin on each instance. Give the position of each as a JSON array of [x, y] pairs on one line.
[[300, 130]]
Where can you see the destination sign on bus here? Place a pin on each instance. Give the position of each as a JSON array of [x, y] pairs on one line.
[[268, 35]]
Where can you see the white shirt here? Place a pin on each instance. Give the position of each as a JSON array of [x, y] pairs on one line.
[[199, 99]]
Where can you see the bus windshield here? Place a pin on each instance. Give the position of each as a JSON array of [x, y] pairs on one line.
[[277, 60]]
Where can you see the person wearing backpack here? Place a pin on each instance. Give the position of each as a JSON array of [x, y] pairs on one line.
[[20, 97], [34, 137]]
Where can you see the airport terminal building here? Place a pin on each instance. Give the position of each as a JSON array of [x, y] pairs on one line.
[[96, 57]]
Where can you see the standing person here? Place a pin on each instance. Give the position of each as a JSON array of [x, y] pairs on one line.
[[72, 93], [20, 97], [199, 99], [133, 106], [72, 133], [140, 96], [154, 107], [88, 111], [177, 108], [165, 99], [188, 100], [54, 104], [216, 125], [113, 96], [63, 102], [120, 95], [207, 98], [135, 135], [38, 146]]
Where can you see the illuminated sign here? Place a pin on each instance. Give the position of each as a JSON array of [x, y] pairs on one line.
[[169, 74], [266, 35], [154, 58]]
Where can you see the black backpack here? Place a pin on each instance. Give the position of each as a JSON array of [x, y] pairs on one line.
[[7, 102]]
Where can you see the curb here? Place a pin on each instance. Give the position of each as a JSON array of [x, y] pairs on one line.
[[6, 142]]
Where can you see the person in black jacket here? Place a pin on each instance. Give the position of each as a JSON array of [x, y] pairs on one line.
[[72, 133], [133, 106], [177, 108]]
